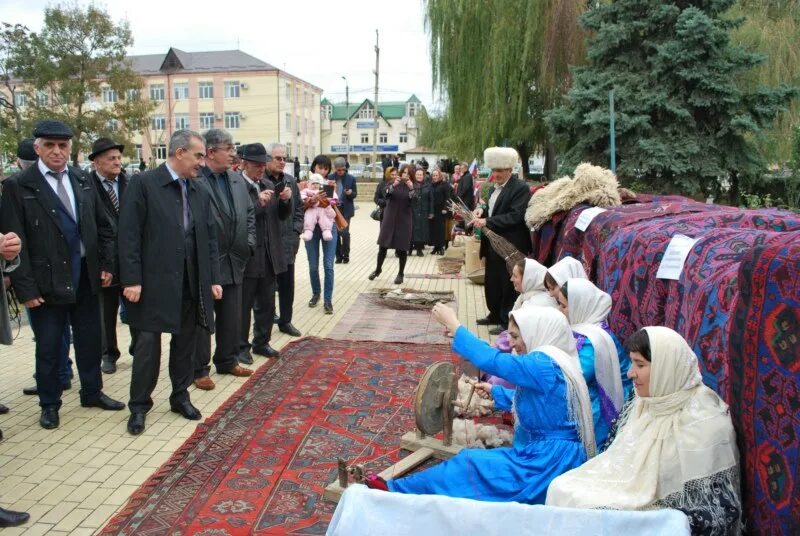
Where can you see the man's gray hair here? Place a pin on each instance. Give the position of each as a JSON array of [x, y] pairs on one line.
[[38, 141], [272, 146], [217, 137], [182, 139], [339, 162]]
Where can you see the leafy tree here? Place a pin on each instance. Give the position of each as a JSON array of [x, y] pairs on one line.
[[500, 64], [682, 121], [64, 70]]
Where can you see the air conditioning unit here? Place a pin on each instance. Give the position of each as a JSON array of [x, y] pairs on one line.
[[243, 85], [218, 117], [242, 116]]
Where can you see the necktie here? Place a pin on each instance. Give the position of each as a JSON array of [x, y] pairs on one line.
[[185, 199], [62, 192], [112, 194]]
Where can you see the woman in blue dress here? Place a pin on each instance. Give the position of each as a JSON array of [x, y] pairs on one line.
[[553, 428], [604, 361]]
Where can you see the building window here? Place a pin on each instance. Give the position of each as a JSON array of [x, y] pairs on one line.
[[288, 122], [161, 152], [364, 137], [112, 124], [231, 119], [20, 100], [109, 94], [206, 121], [42, 98], [383, 137], [288, 150], [403, 137], [156, 92], [181, 91], [181, 121], [288, 92], [206, 90], [344, 138], [158, 122], [412, 109], [132, 94], [365, 113], [231, 89], [327, 111], [139, 152], [313, 127]]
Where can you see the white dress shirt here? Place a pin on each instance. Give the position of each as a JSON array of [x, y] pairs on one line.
[[54, 184], [493, 198]]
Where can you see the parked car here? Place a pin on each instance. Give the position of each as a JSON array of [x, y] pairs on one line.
[[374, 170], [357, 170]]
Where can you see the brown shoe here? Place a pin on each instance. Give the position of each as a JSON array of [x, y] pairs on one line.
[[238, 371], [205, 383]]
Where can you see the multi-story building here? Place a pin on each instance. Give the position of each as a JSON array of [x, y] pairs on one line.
[[347, 129], [228, 89]]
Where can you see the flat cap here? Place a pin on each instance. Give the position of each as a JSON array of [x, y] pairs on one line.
[[49, 128], [25, 150]]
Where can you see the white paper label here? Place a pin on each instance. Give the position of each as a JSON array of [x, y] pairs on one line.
[[675, 256], [586, 217]]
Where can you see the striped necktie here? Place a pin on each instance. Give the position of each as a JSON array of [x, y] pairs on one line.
[[112, 194]]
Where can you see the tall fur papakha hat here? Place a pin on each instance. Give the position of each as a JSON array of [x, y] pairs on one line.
[[500, 157]]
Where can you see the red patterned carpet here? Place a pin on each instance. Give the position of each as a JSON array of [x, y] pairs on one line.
[[260, 463]]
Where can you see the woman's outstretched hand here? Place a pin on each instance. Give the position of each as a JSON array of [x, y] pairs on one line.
[[446, 317], [484, 390]]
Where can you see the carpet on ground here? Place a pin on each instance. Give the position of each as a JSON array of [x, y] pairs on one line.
[[259, 465]]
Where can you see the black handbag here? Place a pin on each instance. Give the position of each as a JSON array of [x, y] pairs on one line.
[[377, 214]]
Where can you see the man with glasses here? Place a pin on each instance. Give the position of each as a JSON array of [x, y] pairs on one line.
[[234, 220]]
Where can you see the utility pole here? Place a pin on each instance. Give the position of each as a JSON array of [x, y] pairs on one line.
[[375, 119], [347, 111]]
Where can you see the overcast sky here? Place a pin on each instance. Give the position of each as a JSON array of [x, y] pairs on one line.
[[317, 40]]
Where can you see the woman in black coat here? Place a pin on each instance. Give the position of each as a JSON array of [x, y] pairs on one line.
[[396, 225], [422, 207], [380, 191], [441, 193]]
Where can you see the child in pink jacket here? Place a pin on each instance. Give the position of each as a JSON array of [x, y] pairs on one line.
[[317, 214]]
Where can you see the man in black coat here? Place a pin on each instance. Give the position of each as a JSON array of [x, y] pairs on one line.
[[505, 215], [234, 220], [67, 254], [465, 188], [169, 266], [110, 182], [347, 190], [269, 259]]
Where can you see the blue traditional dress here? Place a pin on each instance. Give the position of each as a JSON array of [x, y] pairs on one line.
[[603, 412], [546, 442]]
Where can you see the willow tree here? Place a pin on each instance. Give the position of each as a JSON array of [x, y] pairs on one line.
[[500, 64]]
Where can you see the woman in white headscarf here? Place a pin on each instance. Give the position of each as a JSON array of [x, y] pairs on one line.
[[676, 447], [604, 361], [560, 272], [553, 425]]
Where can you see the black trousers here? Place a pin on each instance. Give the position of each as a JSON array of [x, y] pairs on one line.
[[343, 242], [498, 289], [147, 360], [261, 290], [48, 322], [285, 283], [109, 307], [228, 320]]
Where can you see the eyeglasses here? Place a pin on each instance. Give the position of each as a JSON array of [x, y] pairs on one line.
[[279, 158]]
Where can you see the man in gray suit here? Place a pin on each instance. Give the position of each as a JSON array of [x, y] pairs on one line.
[[234, 218]]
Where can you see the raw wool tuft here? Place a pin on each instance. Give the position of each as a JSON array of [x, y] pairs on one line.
[[478, 407], [591, 184], [479, 436]]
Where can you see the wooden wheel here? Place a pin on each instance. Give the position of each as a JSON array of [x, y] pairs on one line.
[[434, 397]]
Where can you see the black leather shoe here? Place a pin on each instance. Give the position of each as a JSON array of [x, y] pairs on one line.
[[104, 402], [374, 274], [245, 358], [314, 300], [33, 391], [289, 329], [486, 321], [108, 365], [346, 260], [136, 423], [338, 260], [497, 330], [187, 410], [398, 280], [328, 308], [266, 351], [9, 518], [3, 409], [49, 418]]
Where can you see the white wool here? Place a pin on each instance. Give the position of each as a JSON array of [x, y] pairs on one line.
[[478, 407], [480, 436], [500, 157]]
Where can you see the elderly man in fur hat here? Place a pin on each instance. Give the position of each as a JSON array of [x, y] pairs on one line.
[[504, 213]]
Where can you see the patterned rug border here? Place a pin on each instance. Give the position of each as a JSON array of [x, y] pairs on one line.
[[140, 497]]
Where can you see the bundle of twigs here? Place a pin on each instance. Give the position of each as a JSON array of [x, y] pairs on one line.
[[500, 245], [406, 298], [450, 265]]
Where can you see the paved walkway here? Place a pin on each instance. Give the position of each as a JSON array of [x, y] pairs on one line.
[[73, 479]]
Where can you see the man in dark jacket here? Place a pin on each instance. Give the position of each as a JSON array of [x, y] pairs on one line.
[[169, 266], [347, 191], [67, 254], [465, 188], [291, 228], [505, 215], [110, 182], [232, 213], [269, 259]]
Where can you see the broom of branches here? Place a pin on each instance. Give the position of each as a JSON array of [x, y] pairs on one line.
[[500, 245]]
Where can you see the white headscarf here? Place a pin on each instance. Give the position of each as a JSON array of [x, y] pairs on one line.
[[549, 333], [588, 307], [533, 289], [567, 268], [671, 448]]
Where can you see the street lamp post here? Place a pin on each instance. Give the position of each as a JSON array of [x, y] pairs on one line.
[[347, 112]]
